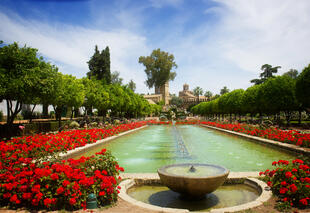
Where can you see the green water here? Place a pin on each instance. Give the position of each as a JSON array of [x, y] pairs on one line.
[[155, 146], [224, 196], [200, 171]]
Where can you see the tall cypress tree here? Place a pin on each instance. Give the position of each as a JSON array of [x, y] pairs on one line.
[[99, 65], [106, 64]]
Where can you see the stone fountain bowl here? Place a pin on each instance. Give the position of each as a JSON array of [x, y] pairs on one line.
[[193, 180]]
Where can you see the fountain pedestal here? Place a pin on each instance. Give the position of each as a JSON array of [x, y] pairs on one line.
[[193, 180]]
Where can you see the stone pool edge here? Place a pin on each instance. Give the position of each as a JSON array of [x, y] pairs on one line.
[[81, 149], [144, 177], [285, 146]]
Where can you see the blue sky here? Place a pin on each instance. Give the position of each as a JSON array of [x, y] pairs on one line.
[[216, 43]]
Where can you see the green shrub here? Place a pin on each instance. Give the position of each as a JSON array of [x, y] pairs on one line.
[[74, 125], [116, 122], [93, 124]]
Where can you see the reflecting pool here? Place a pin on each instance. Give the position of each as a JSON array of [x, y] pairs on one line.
[[155, 146]]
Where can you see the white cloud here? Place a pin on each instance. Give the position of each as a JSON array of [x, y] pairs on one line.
[[70, 47], [244, 36], [252, 33], [227, 49]]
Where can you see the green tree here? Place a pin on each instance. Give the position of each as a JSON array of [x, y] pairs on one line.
[[158, 68], [177, 101], [250, 100], [208, 94], [267, 73], [292, 73], [70, 93], [303, 88], [224, 90], [44, 79], [198, 91], [132, 85], [99, 65], [96, 96], [18, 69], [278, 94], [115, 78], [234, 102], [215, 96], [223, 107]]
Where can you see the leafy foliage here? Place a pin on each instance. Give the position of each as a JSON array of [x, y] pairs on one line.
[[303, 87], [20, 77], [99, 65], [115, 78], [132, 85], [224, 90], [158, 68], [267, 73], [198, 91]]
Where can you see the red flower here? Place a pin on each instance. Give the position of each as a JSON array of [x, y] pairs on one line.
[[72, 201], [286, 199], [15, 199], [54, 176], [60, 190], [36, 188], [294, 170], [65, 183], [101, 193], [298, 161], [303, 201], [288, 174], [26, 196], [283, 183], [293, 188], [283, 190], [47, 202]]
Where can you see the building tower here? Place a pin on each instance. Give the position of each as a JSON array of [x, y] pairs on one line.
[[164, 92]]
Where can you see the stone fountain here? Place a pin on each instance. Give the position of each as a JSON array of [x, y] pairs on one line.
[[193, 180]]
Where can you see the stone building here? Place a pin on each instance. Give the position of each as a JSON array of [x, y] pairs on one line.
[[161, 94], [188, 96]]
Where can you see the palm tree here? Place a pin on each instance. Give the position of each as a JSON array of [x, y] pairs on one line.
[[198, 91]]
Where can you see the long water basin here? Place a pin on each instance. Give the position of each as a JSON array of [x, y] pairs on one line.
[[155, 146]]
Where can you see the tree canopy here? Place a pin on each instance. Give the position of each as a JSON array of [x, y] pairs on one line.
[[158, 68], [115, 78], [20, 75], [292, 73], [224, 90], [198, 91], [303, 87], [208, 94], [99, 65], [267, 73], [132, 85]]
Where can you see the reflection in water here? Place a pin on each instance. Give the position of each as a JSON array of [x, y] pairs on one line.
[[224, 196], [153, 147], [170, 199]]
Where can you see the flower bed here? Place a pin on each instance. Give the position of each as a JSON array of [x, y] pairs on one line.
[[290, 182], [31, 175], [285, 136]]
